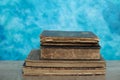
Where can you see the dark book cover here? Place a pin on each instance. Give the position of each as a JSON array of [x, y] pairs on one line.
[[68, 36]]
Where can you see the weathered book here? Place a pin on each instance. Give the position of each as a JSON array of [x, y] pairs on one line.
[[34, 60], [93, 77], [61, 71], [55, 70], [71, 52], [68, 36]]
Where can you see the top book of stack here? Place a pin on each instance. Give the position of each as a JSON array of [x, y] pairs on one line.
[[66, 37], [69, 45]]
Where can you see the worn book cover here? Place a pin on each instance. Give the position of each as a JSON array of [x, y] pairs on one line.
[[34, 65], [71, 52], [62, 71], [34, 60], [68, 36]]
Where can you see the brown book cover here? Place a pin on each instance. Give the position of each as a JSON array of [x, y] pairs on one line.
[[61, 67], [56, 71], [71, 52], [93, 77], [34, 60], [68, 36]]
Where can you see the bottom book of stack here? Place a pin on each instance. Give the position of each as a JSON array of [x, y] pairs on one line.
[[39, 69]]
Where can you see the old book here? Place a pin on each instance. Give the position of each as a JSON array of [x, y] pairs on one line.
[[93, 77], [50, 70], [34, 60], [61, 71], [63, 52], [68, 36]]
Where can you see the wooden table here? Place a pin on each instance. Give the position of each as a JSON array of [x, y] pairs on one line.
[[11, 70]]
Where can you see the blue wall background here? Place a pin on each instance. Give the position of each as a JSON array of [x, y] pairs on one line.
[[21, 22]]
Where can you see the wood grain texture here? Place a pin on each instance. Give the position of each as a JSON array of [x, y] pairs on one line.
[[68, 36]]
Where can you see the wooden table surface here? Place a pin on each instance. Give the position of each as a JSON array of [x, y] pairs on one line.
[[11, 70]]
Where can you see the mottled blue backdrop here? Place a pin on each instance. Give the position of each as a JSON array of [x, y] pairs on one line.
[[21, 22]]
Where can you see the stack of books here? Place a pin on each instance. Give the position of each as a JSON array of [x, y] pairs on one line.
[[67, 55]]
